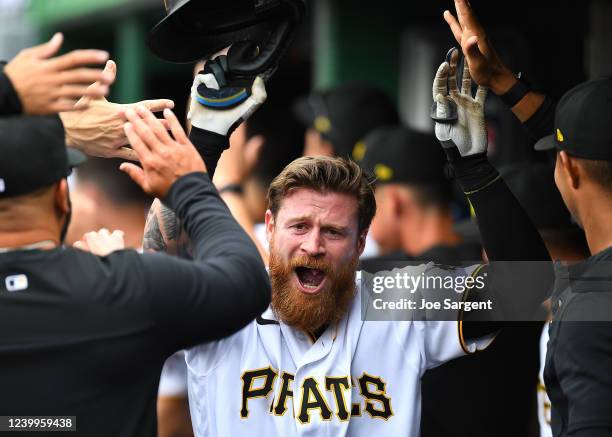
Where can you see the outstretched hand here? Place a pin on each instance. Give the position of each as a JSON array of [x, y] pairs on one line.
[[95, 126], [486, 67], [164, 158], [48, 85], [468, 133]]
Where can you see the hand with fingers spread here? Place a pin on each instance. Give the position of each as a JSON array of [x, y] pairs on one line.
[[164, 158], [486, 67], [469, 132], [101, 243], [48, 85], [96, 125]]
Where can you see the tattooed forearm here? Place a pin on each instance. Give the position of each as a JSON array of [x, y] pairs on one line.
[[164, 233], [153, 240], [170, 223]]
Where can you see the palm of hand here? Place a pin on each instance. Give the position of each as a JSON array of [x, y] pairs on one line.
[[469, 132]]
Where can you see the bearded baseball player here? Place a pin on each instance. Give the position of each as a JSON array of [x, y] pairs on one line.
[[310, 365]]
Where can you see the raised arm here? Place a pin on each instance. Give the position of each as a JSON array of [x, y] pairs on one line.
[[95, 125], [226, 284], [210, 131], [533, 109], [35, 82], [507, 232]]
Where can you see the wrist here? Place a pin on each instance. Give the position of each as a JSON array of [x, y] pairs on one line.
[[237, 189], [220, 180], [502, 82], [474, 172]]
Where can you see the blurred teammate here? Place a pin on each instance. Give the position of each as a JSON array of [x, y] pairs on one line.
[[105, 197], [338, 119], [86, 336], [577, 380], [413, 199]]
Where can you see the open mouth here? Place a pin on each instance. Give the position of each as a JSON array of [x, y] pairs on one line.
[[310, 280]]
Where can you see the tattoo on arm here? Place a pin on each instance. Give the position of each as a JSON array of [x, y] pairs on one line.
[[153, 240], [164, 233], [170, 222]]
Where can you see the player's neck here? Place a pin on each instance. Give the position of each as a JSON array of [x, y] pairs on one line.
[[597, 222], [34, 238], [24, 225], [435, 230], [314, 335]]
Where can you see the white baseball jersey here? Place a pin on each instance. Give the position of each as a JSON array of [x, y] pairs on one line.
[[358, 378], [544, 404]]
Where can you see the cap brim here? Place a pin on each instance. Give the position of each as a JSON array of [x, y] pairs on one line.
[[75, 157], [303, 111], [546, 143]]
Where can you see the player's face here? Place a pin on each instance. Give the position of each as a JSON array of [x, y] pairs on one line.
[[314, 250], [384, 227]]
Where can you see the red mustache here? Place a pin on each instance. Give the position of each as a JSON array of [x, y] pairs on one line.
[[311, 263]]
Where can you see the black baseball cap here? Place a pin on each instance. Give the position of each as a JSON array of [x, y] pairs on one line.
[[33, 154], [345, 114], [582, 122], [396, 154]]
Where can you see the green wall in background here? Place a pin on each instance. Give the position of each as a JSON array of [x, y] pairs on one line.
[[48, 12], [352, 41], [355, 41]]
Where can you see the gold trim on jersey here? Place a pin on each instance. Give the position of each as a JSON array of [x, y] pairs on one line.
[[307, 409], [460, 317], [245, 399], [346, 379], [369, 400]]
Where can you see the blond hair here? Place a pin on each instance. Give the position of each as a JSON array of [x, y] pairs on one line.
[[325, 174]]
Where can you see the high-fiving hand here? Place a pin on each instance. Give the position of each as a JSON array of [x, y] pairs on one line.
[[468, 133], [48, 85], [486, 67], [164, 158], [95, 127]]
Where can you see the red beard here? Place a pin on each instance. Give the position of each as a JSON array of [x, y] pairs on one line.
[[309, 312]]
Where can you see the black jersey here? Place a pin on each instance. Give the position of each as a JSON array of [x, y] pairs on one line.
[[86, 336], [9, 100], [578, 370]]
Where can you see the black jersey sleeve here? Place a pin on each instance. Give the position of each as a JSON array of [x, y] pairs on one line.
[[223, 288], [210, 145], [508, 235], [9, 100]]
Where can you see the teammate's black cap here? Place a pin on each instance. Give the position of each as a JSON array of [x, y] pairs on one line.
[[33, 154], [583, 122], [401, 155], [346, 114]]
